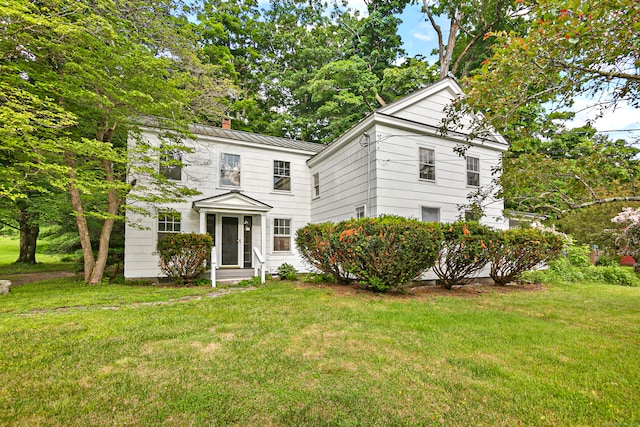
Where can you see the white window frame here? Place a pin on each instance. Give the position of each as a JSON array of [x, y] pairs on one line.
[[167, 169], [361, 212], [473, 170], [422, 208], [169, 223], [278, 229], [281, 173], [427, 161], [226, 172], [316, 185]]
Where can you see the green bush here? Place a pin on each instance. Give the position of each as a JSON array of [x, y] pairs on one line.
[[386, 252], [515, 251], [287, 272], [608, 261], [254, 281], [464, 252], [183, 256], [318, 278], [578, 255], [317, 244]]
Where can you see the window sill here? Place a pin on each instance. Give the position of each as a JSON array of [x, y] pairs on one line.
[[282, 193], [430, 181]]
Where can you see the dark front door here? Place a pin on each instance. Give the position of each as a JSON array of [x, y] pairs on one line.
[[229, 240]]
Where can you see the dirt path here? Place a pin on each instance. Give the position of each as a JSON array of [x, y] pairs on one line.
[[22, 278]]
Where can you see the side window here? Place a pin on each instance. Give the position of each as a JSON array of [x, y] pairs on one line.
[[168, 223], [281, 235], [430, 214], [473, 171], [427, 164], [229, 170], [170, 165], [281, 175], [316, 184], [471, 216], [360, 212]]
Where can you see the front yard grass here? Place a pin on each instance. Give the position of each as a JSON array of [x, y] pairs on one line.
[[285, 354], [10, 249]]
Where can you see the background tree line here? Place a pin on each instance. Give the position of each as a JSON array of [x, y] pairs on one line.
[[76, 76]]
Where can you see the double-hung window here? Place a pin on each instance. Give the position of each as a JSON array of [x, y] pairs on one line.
[[281, 235], [473, 171], [170, 165], [229, 170], [427, 164], [168, 223], [316, 184], [360, 212], [281, 175], [430, 214]]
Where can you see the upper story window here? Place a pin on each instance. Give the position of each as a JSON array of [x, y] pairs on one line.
[[281, 235], [316, 184], [430, 214], [473, 171], [360, 212], [281, 175], [170, 165], [230, 170], [427, 164], [168, 222]]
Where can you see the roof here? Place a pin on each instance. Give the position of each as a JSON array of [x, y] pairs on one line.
[[255, 138]]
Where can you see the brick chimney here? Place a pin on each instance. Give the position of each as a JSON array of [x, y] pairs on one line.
[[226, 123]]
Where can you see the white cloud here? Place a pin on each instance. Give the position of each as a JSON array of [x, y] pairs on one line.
[[422, 36], [623, 117]]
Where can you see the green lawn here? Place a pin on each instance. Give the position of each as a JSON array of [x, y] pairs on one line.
[[10, 249], [288, 355]]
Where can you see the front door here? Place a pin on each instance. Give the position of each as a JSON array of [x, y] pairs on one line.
[[229, 240]]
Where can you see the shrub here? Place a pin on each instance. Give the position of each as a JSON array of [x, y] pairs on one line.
[[254, 281], [515, 251], [287, 272], [608, 261], [387, 251], [183, 256], [317, 246], [618, 276], [318, 278], [629, 243], [464, 252]]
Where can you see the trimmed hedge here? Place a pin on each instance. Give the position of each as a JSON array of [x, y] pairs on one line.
[[464, 252], [384, 252], [388, 251], [513, 252], [183, 256], [317, 246]]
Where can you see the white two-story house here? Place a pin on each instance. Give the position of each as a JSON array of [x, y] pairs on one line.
[[257, 190]]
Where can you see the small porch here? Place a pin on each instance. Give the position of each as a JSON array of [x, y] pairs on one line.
[[231, 275]]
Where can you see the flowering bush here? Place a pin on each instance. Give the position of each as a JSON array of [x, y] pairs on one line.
[[629, 240], [183, 256], [317, 246], [464, 252], [387, 251], [514, 251]]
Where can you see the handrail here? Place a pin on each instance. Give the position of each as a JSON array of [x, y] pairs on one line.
[[214, 264], [258, 257]]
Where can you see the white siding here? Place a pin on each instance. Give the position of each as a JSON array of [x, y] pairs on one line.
[[343, 181], [202, 172]]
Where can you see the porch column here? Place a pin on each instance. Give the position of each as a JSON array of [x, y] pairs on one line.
[[263, 235], [203, 222]]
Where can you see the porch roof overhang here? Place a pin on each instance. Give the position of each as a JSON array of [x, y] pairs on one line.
[[231, 202]]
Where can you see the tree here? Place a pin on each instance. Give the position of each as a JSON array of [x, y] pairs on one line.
[[571, 49], [469, 21], [106, 64]]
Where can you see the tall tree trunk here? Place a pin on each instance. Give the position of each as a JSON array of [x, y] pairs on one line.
[[29, 231], [107, 226], [81, 221]]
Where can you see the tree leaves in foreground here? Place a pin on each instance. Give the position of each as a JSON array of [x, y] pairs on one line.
[[103, 65]]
